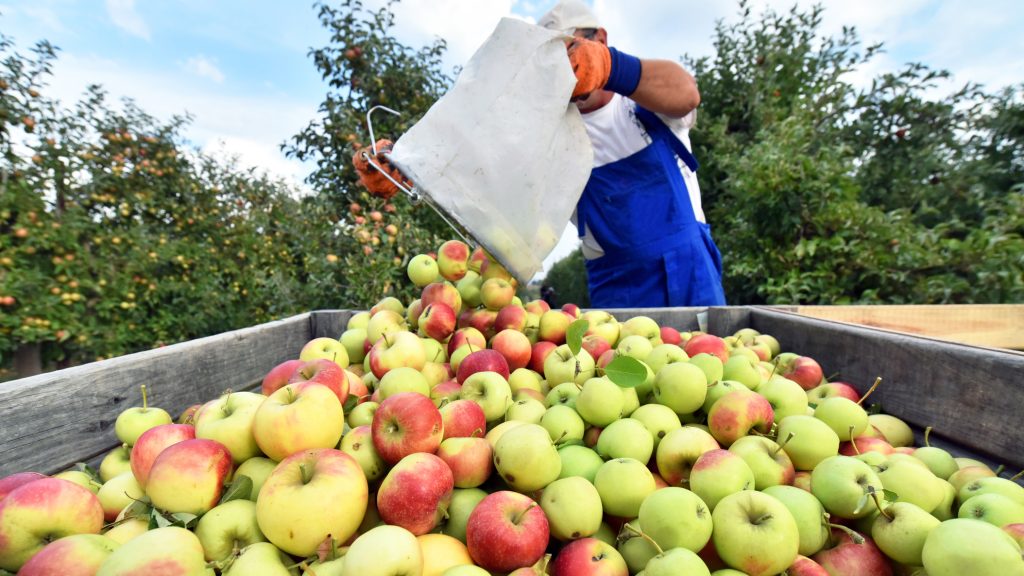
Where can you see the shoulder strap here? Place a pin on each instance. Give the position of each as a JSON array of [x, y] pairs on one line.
[[658, 130]]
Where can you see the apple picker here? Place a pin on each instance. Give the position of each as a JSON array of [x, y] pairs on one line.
[[638, 206]]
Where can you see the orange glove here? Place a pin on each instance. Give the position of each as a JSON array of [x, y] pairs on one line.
[[373, 179], [592, 63]]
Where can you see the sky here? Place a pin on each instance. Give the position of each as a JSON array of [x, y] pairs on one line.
[[241, 68]]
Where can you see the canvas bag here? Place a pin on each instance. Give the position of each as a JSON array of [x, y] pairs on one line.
[[504, 155]]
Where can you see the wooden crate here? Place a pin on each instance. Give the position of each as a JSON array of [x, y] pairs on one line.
[[973, 396]]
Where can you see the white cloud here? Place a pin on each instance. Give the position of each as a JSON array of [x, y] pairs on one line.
[[125, 17], [205, 68]]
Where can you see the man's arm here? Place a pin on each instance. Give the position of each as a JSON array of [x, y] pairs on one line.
[[666, 88]]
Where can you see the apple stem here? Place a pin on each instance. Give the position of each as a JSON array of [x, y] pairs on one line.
[[560, 436], [641, 534], [887, 514], [522, 514], [878, 381], [145, 401], [927, 433], [1017, 476], [999, 470], [854, 444], [853, 534], [305, 473], [783, 443]]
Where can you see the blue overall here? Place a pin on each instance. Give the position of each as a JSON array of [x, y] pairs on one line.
[[656, 253]]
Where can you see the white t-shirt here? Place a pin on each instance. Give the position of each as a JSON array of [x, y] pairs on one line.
[[616, 133]]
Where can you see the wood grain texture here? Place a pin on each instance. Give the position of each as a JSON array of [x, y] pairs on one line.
[[50, 421], [970, 395], [992, 325]]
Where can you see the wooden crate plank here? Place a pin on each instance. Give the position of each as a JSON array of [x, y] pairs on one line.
[[50, 421], [329, 323], [971, 395], [992, 325]]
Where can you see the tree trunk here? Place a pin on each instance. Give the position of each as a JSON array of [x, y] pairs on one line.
[[28, 360]]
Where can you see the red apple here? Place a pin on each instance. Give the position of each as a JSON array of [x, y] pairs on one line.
[[401, 348], [595, 345], [553, 326], [803, 370], [505, 531], [446, 392], [279, 375], [510, 317], [442, 292], [469, 460], [572, 310], [670, 335], [152, 443], [189, 476], [406, 423], [708, 344], [538, 354], [75, 555], [537, 307], [482, 361], [437, 321], [9, 483], [737, 413], [804, 566], [847, 558], [831, 389], [514, 346], [323, 371], [416, 492], [467, 335], [588, 556], [483, 320], [862, 444], [496, 293], [463, 419], [453, 260]]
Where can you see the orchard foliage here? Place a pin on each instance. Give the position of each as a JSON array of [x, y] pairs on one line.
[[365, 66], [115, 236]]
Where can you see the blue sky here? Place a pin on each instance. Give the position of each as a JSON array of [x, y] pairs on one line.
[[240, 67]]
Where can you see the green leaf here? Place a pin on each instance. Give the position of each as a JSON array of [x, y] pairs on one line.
[[890, 496], [240, 489], [626, 372], [574, 335], [185, 520], [158, 520]]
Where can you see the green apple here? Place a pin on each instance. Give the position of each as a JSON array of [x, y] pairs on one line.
[[664, 354], [228, 527], [840, 483], [993, 485], [740, 368], [169, 550], [464, 500], [563, 424], [626, 438], [659, 420], [422, 270], [808, 513], [384, 551], [812, 440], [635, 550], [679, 450], [564, 394], [676, 561], [600, 402], [81, 478], [525, 379], [940, 462], [786, 397], [676, 518], [118, 493], [719, 473], [491, 391], [718, 389], [965, 546], [579, 461], [298, 417], [914, 484], [561, 365], [682, 387], [526, 410], [894, 430], [354, 341], [710, 364], [362, 414], [358, 443], [132, 422], [573, 507], [403, 379], [844, 416], [641, 326], [944, 511], [755, 533], [325, 347], [261, 558], [526, 458], [901, 530], [623, 484], [996, 509], [358, 320], [115, 462], [767, 460], [228, 420], [258, 469]]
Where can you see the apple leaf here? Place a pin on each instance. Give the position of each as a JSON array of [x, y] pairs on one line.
[[185, 520], [158, 520], [574, 335], [240, 489], [890, 496], [626, 372]]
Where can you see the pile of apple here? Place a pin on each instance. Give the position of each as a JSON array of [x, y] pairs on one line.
[[470, 434]]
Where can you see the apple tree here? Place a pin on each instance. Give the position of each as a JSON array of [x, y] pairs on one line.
[[365, 66]]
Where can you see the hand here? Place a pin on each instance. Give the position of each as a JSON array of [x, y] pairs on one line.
[[374, 181], [592, 64]]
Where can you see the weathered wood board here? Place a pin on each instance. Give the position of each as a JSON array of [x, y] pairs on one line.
[[992, 325], [51, 421]]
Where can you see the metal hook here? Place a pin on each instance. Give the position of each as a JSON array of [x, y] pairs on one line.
[[369, 124]]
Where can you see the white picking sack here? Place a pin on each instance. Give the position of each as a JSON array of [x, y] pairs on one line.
[[504, 154]]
